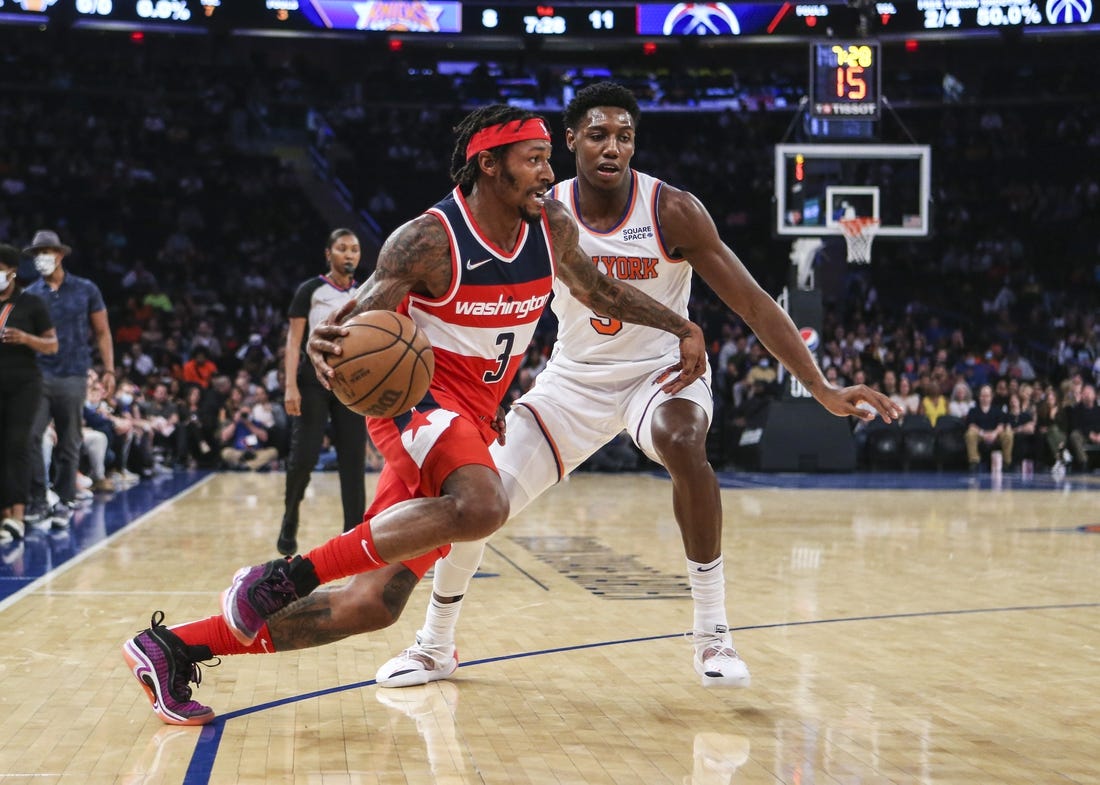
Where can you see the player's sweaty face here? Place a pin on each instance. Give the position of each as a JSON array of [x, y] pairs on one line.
[[604, 146], [526, 173]]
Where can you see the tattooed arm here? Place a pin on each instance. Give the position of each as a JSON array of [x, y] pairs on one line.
[[415, 258], [611, 297]]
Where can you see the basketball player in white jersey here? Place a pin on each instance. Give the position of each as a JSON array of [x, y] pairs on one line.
[[602, 378]]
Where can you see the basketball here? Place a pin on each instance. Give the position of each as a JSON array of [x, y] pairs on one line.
[[386, 364]]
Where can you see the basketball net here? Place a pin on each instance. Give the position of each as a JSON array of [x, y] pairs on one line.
[[859, 233]]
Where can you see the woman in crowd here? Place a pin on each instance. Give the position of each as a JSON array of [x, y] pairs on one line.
[[962, 400]]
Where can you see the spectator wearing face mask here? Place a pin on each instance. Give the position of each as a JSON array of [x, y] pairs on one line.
[[79, 314], [25, 329]]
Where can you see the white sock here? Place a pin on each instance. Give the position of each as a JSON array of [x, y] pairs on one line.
[[440, 622], [708, 590], [451, 579]]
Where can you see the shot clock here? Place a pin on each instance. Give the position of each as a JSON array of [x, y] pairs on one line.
[[845, 79]]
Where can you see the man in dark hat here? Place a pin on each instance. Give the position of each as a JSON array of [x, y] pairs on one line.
[[77, 309]]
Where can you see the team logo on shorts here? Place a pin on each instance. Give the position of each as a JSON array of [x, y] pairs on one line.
[[810, 338]]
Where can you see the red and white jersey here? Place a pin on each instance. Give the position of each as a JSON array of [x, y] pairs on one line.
[[479, 329], [632, 251]]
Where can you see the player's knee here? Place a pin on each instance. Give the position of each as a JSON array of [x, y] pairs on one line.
[[482, 515], [681, 445]]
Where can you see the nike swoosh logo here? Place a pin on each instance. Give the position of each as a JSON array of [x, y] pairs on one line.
[[370, 556], [706, 569], [470, 265]]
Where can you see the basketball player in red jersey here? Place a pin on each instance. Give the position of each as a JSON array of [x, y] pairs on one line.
[[475, 273]]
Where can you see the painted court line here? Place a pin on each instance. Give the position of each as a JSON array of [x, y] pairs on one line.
[[206, 750]]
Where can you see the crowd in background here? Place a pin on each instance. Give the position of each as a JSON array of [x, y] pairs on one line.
[[197, 233]]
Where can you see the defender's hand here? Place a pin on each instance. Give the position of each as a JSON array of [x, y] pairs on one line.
[[692, 365], [860, 401]]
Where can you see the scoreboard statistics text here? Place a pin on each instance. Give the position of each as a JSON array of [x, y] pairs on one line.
[[615, 19]]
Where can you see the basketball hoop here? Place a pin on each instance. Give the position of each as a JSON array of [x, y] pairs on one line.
[[858, 233]]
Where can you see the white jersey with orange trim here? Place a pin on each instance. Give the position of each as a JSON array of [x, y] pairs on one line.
[[632, 251], [602, 378], [479, 329]]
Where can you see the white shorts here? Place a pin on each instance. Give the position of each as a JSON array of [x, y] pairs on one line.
[[575, 409]]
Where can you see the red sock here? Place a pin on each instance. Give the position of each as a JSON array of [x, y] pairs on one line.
[[354, 552], [349, 554], [214, 633]]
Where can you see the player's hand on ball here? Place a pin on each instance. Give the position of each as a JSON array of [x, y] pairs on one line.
[[325, 340]]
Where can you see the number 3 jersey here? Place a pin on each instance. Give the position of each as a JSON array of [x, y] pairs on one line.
[[479, 329], [634, 252]]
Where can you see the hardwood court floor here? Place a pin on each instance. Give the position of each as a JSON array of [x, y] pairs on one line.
[[895, 636]]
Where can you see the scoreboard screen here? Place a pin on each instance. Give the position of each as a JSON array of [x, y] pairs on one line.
[[845, 80], [549, 19], [572, 18]]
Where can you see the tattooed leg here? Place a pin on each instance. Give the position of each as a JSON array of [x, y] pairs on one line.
[[369, 601]]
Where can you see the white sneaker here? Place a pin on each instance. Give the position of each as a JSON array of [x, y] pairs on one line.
[[418, 664], [12, 529], [716, 661]]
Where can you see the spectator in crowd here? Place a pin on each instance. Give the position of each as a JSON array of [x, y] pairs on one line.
[[987, 425], [1016, 366], [206, 339], [1084, 425], [906, 397], [129, 404], [1051, 427], [163, 415], [962, 400], [934, 402], [1021, 421], [200, 369], [25, 330], [79, 314], [137, 364], [99, 416], [197, 434], [96, 448], [244, 442]]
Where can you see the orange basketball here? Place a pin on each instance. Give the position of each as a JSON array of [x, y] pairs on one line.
[[386, 364]]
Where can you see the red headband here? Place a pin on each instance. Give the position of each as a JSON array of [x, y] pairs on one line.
[[506, 133]]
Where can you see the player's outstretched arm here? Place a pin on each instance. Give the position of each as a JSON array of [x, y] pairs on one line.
[[690, 232], [415, 257], [611, 297]]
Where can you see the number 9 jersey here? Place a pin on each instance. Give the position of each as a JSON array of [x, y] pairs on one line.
[[634, 252]]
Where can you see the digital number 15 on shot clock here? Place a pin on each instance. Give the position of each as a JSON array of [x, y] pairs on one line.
[[844, 80]]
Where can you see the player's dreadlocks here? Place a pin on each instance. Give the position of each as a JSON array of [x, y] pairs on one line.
[[464, 173]]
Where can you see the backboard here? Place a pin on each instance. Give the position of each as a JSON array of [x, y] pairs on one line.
[[817, 184]]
